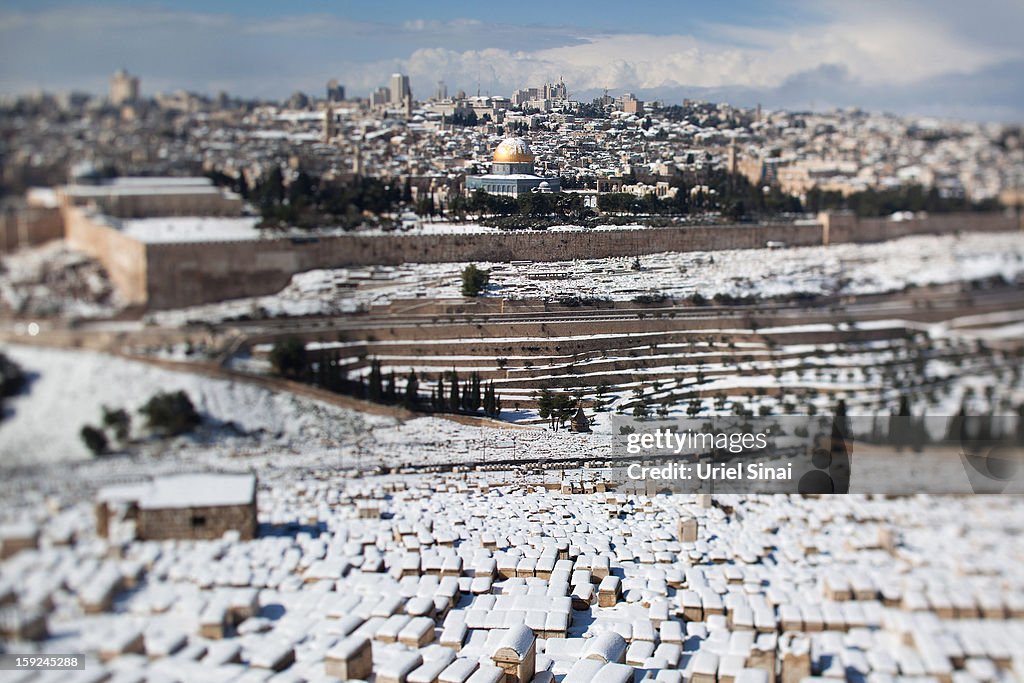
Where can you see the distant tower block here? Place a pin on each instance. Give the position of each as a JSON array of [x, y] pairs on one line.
[[442, 91], [688, 529], [124, 87], [335, 91], [400, 90]]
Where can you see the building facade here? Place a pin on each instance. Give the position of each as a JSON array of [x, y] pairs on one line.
[[124, 88]]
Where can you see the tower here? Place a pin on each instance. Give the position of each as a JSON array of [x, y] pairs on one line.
[[329, 127], [123, 87], [400, 90], [335, 91], [357, 160]]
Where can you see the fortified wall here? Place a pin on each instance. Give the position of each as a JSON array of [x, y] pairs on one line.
[[172, 275], [181, 274], [28, 226], [846, 227], [124, 258]]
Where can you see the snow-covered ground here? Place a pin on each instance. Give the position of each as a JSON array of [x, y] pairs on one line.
[[602, 585], [759, 273], [68, 390], [51, 280]]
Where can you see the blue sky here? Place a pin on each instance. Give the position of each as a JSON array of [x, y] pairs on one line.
[[936, 57]]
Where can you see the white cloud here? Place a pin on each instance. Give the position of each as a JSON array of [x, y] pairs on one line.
[[874, 45]]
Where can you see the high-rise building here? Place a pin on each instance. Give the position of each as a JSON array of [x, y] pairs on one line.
[[123, 87], [335, 91], [381, 95], [631, 105], [400, 90], [442, 91]]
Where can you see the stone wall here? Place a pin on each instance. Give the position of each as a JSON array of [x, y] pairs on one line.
[[197, 522], [29, 226], [172, 275], [846, 227], [183, 274], [124, 258]]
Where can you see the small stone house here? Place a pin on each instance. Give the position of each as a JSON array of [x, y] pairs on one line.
[[184, 506]]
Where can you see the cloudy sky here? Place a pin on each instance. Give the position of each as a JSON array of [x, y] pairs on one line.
[[941, 57]]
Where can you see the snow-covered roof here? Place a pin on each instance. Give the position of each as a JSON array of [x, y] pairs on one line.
[[190, 229], [186, 490]]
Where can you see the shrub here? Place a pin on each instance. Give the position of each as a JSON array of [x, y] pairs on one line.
[[12, 377], [474, 280], [288, 358], [118, 421], [95, 440], [170, 413]]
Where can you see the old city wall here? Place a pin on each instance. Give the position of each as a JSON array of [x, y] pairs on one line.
[[185, 274], [171, 275], [123, 257], [848, 228], [29, 226]]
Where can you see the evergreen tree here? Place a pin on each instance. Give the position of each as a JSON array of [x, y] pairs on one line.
[[95, 440], [119, 421], [412, 386], [489, 399], [545, 405], [170, 413], [454, 404], [563, 408], [440, 405], [375, 388], [472, 400], [288, 358], [474, 280]]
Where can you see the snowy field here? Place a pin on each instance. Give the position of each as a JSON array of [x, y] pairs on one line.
[[759, 273], [68, 389]]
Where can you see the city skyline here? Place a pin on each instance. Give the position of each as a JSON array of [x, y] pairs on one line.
[[907, 58]]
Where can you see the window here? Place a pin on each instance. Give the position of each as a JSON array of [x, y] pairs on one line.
[[198, 521]]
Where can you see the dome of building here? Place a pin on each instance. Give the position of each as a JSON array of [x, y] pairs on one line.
[[513, 151]]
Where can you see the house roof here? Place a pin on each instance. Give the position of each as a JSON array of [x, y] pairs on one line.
[[185, 490]]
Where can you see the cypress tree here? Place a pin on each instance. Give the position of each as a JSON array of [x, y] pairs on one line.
[[453, 400], [375, 390], [390, 392], [439, 402], [412, 386]]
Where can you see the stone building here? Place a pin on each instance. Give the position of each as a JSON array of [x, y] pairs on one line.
[[149, 197], [187, 506]]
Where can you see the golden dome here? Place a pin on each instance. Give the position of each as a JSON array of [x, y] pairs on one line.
[[513, 151]]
